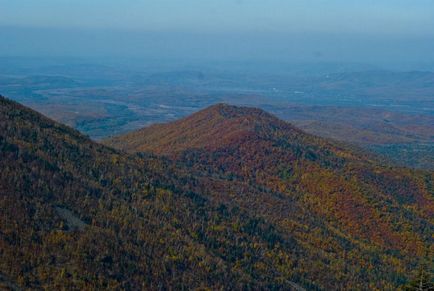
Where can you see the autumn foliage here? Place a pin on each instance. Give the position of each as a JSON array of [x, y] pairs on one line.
[[228, 198]]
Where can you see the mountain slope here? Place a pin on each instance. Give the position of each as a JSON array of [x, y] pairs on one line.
[[76, 214], [267, 207], [332, 199]]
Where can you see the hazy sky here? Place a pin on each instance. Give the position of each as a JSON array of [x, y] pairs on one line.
[[351, 29], [367, 16]]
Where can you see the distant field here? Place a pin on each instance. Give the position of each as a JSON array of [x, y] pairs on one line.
[[388, 112]]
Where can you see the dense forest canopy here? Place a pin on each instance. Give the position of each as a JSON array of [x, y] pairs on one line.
[[228, 198]]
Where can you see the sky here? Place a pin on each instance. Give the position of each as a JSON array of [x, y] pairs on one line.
[[348, 30]]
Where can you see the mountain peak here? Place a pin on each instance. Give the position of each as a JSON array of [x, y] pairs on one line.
[[231, 111], [213, 127]]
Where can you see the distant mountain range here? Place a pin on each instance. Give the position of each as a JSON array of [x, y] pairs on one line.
[[227, 198]]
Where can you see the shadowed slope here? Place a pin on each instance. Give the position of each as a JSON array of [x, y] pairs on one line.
[[78, 215]]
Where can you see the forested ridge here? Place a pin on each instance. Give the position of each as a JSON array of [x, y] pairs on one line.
[[229, 198]]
